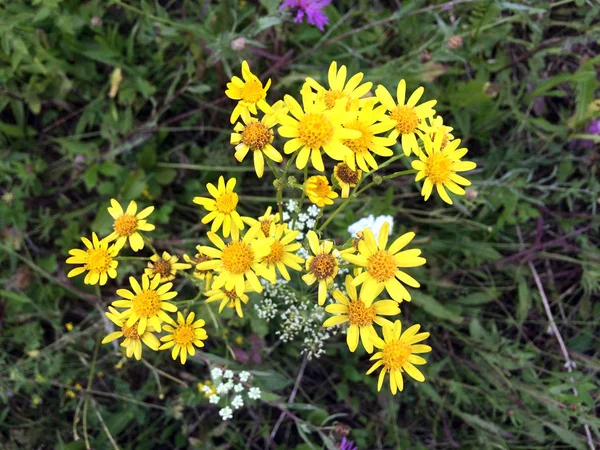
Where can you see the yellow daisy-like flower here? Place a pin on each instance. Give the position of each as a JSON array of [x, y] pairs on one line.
[[200, 257], [238, 261], [319, 191], [166, 266], [439, 166], [257, 136], [314, 128], [339, 88], [408, 117], [360, 312], [128, 224], [133, 340], [268, 222], [249, 93], [436, 125], [221, 208], [147, 303], [283, 253], [183, 336], [98, 260], [346, 177], [229, 298], [382, 267], [322, 266], [399, 354], [370, 121]]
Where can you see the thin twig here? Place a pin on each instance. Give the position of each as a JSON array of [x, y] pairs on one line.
[[104, 427]]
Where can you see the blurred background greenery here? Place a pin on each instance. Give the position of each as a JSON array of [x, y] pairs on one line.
[[516, 79]]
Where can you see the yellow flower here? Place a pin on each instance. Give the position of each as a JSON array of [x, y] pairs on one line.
[[200, 274], [399, 354], [133, 340], [212, 390], [370, 121], [69, 326], [98, 260], [128, 224], [147, 303], [238, 261], [222, 208], [382, 267], [436, 125], [183, 336], [166, 266], [409, 117], [346, 177], [319, 191], [283, 253], [360, 312], [249, 93], [257, 136], [314, 128], [339, 88], [268, 222], [322, 266], [439, 166], [229, 298]]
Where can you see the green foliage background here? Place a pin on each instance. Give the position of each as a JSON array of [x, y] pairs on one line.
[[519, 91]]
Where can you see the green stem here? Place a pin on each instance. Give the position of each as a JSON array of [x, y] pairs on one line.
[[87, 390], [301, 198], [147, 241], [318, 218], [131, 258]]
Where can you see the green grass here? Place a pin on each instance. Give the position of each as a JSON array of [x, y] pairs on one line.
[[519, 91]]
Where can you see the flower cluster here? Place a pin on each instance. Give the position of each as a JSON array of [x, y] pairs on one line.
[[228, 389]]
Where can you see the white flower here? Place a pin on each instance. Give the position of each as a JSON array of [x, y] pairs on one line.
[[216, 373], [226, 413], [206, 389], [237, 402], [244, 376], [228, 374], [223, 388], [313, 210], [214, 399], [286, 216], [310, 223], [254, 393], [238, 387], [371, 222]]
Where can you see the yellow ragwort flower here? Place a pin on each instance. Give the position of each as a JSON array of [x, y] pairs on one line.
[[238, 261], [200, 257], [399, 354], [436, 125], [283, 252], [98, 260], [314, 128], [249, 93], [133, 340], [166, 266], [408, 117], [268, 222], [128, 224], [319, 191], [183, 336], [322, 266], [339, 88], [361, 313], [147, 303], [229, 298], [370, 121], [346, 177], [439, 166], [256, 136], [221, 208], [382, 267]]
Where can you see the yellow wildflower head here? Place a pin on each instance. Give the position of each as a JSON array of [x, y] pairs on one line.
[[183, 336], [133, 336], [346, 177], [382, 265], [200, 257], [249, 93], [435, 125], [98, 260], [230, 298], [439, 166], [399, 353], [319, 191], [128, 224], [165, 265], [322, 266], [283, 252]]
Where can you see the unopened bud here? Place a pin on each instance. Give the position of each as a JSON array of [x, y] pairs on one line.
[[292, 179], [278, 184], [238, 44], [471, 193], [377, 180], [96, 21], [425, 57], [454, 42]]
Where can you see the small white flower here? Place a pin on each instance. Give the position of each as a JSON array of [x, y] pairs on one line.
[[254, 393], [244, 376], [310, 223], [286, 216], [238, 387], [313, 210], [371, 222], [214, 399], [206, 389], [237, 402], [228, 374], [223, 388], [216, 373], [226, 413]]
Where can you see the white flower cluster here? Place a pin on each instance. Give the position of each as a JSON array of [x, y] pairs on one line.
[[372, 222], [229, 390], [305, 220]]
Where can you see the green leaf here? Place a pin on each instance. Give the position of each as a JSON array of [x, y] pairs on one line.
[[431, 306]]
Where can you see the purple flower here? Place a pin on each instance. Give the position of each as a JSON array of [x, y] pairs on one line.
[[311, 8], [347, 445], [593, 128]]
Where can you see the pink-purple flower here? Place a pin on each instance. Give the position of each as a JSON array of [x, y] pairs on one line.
[[347, 445], [312, 9]]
